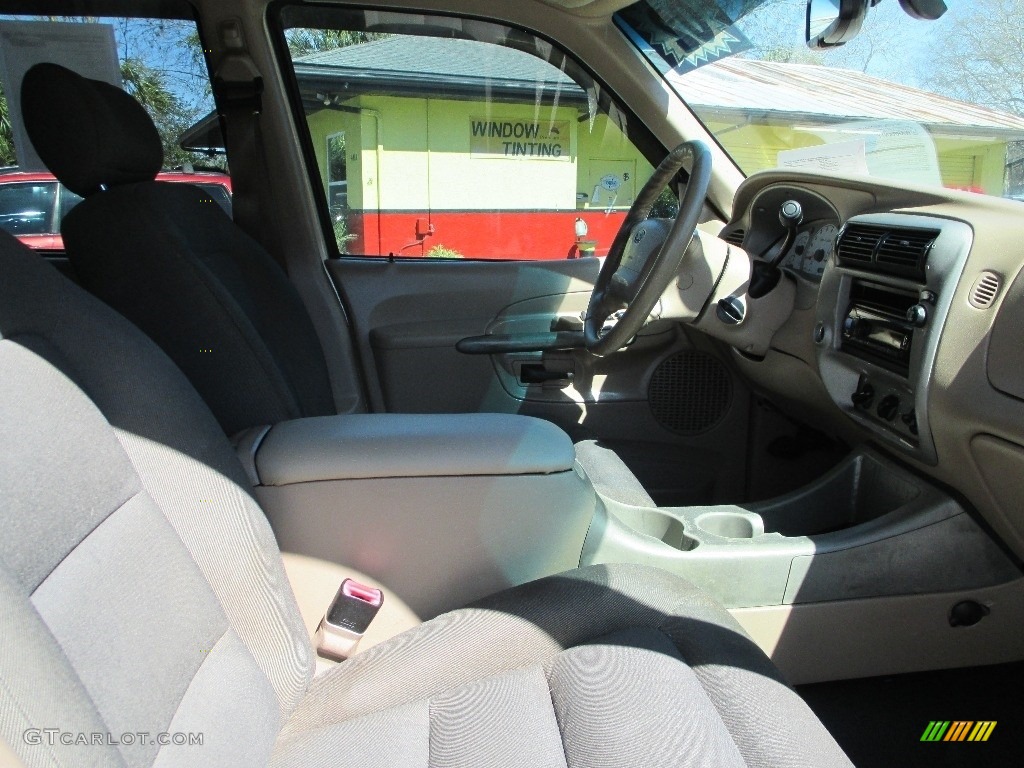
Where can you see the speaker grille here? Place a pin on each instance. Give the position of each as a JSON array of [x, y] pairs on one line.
[[690, 392], [985, 290]]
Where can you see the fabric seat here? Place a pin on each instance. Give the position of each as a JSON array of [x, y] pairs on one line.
[[141, 593], [166, 258]]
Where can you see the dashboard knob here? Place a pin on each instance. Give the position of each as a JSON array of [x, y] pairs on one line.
[[856, 328], [864, 396], [731, 310], [917, 315], [910, 419], [888, 408]]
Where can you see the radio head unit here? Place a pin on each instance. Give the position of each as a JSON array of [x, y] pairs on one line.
[[876, 327]]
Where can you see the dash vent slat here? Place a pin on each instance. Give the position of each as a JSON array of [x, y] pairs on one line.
[[899, 251], [858, 243]]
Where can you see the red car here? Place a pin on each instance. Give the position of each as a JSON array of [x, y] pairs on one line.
[[32, 204]]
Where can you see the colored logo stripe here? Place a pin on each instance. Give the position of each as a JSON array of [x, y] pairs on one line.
[[958, 730], [982, 730]]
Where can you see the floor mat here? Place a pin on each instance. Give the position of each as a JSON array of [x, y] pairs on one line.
[[881, 721]]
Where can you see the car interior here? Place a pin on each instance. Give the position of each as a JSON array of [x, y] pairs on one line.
[[637, 456]]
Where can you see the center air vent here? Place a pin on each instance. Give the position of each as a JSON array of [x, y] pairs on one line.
[[895, 250], [858, 243]]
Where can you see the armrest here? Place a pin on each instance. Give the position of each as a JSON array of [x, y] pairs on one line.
[[502, 343], [379, 445]]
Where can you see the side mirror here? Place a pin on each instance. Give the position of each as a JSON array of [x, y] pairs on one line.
[[834, 22]]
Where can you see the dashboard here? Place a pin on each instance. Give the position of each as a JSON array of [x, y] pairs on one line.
[[906, 328]]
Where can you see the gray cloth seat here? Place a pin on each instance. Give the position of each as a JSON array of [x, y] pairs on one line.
[[142, 593], [168, 259]]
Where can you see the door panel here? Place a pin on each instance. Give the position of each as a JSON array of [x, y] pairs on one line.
[[409, 314]]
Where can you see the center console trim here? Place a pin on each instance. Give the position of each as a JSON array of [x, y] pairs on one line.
[[843, 373]]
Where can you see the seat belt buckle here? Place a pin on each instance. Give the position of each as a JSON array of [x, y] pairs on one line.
[[347, 619]]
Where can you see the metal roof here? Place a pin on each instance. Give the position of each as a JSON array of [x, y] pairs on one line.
[[745, 86], [436, 65]]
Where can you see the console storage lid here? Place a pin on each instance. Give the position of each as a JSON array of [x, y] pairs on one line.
[[379, 445]]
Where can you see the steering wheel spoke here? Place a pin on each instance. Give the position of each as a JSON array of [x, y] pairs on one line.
[[646, 254]]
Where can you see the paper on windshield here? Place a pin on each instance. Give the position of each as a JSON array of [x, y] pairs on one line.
[[840, 157], [900, 150], [88, 49]]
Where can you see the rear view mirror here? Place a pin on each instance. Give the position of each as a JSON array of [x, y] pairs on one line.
[[834, 22], [926, 10]]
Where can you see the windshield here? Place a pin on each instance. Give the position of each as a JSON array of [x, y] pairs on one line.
[[939, 103]]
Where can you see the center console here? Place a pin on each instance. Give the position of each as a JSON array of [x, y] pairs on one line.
[[441, 509], [880, 315]]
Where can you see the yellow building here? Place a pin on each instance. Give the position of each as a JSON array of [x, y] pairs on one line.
[[759, 109], [487, 152]]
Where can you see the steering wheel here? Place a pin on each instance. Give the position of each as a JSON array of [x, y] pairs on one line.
[[646, 254]]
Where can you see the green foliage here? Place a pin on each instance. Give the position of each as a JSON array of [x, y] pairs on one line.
[[7, 154], [170, 114], [337, 165], [341, 233], [441, 252], [302, 42], [666, 206]]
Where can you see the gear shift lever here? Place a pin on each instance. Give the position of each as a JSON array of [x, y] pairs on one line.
[[765, 275], [791, 216]]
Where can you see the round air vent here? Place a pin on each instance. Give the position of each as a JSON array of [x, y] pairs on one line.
[[690, 392], [985, 290]]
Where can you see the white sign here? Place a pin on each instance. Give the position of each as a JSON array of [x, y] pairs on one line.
[[519, 139], [88, 49]]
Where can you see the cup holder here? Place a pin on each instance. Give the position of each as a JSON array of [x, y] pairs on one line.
[[731, 525], [675, 536]]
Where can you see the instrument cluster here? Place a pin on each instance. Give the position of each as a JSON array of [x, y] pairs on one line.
[[814, 245]]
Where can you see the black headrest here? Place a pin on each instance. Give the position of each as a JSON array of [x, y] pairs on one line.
[[88, 132]]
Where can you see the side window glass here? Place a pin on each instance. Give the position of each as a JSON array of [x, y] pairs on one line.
[[443, 138], [159, 62], [27, 208]]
